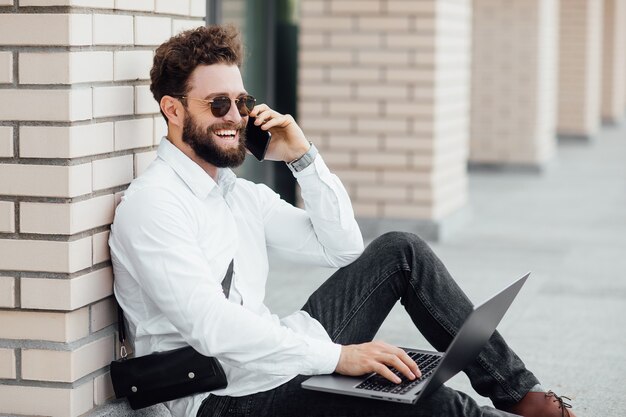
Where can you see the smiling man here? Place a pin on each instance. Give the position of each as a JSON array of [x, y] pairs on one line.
[[187, 217]]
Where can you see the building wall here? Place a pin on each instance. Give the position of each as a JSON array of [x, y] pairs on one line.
[[614, 61], [580, 68], [514, 83], [384, 94], [77, 124]]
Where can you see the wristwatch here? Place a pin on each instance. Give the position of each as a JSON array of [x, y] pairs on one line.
[[305, 160]]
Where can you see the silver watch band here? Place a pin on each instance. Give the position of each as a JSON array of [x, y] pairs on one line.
[[305, 160]]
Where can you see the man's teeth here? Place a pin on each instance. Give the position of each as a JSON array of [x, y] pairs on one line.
[[225, 133]]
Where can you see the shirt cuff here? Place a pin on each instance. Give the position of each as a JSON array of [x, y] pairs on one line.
[[326, 356]]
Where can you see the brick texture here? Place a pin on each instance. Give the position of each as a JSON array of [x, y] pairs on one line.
[[614, 61], [6, 67], [77, 124], [369, 91], [513, 106], [580, 67]]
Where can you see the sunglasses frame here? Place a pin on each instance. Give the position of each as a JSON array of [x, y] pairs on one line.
[[217, 113]]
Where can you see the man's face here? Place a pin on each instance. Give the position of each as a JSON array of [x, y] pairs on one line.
[[219, 141]]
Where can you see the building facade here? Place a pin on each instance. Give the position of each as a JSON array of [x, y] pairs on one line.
[[400, 96]]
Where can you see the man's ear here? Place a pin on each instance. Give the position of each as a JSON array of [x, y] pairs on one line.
[[173, 109]]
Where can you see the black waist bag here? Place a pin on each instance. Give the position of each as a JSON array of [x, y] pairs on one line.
[[165, 376]]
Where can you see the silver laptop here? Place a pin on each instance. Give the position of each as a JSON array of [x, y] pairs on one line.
[[436, 367]]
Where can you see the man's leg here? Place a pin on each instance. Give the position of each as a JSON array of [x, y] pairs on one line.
[[353, 303]]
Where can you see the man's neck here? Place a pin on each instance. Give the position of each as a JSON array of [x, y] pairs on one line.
[[186, 149]]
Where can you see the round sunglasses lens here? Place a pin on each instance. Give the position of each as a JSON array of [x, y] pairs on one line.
[[220, 106], [246, 104]]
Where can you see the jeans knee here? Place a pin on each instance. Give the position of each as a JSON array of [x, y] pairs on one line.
[[402, 241]]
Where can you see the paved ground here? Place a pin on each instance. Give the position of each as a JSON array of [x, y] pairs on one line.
[[566, 225]]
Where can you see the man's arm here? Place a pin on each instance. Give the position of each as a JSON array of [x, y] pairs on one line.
[[154, 238], [325, 233]]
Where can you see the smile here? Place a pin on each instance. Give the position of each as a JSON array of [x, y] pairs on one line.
[[228, 135]]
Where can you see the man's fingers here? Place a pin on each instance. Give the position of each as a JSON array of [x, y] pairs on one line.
[[409, 362], [385, 372], [397, 363]]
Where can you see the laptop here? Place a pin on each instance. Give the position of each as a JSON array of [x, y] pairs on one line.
[[436, 367]]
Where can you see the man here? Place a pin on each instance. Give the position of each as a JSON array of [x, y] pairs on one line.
[[181, 223]]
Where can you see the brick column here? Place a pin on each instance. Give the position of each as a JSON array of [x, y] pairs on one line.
[[580, 68], [614, 61], [77, 124], [383, 92], [514, 68]]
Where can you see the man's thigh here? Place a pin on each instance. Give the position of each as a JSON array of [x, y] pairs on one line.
[[291, 400]]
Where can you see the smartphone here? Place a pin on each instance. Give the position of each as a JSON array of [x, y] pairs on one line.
[[257, 139]]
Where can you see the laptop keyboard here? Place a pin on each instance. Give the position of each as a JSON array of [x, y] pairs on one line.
[[426, 362]]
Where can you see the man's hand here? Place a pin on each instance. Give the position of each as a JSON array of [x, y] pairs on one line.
[[376, 357], [288, 141]]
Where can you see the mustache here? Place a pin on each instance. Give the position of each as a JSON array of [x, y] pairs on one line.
[[220, 126]]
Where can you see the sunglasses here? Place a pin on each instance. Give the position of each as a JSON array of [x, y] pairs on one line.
[[220, 105]]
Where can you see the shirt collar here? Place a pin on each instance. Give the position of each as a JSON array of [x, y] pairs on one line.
[[200, 183]]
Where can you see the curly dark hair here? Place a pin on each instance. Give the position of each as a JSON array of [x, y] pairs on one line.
[[176, 59]]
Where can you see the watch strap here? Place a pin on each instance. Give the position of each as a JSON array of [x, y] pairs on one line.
[[305, 160]]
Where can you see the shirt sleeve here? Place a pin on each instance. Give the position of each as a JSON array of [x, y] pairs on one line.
[[325, 232], [153, 237]]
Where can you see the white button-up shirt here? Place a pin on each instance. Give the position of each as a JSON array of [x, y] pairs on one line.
[[176, 231]]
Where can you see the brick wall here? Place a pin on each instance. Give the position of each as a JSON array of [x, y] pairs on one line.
[[77, 124], [580, 68], [614, 61], [383, 92], [514, 59]]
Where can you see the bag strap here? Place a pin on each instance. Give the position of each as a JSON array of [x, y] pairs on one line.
[[121, 326]]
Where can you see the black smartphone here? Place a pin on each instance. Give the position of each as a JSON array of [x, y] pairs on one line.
[[257, 139]]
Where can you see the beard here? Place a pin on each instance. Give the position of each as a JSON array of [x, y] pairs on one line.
[[203, 144]]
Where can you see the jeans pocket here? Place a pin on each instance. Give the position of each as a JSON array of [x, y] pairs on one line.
[[213, 406]]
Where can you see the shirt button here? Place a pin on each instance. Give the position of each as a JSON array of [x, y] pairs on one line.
[[191, 375]]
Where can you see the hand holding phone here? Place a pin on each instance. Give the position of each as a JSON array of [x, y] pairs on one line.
[[257, 139]]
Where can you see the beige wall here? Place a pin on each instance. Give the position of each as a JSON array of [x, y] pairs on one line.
[[384, 93], [580, 67], [77, 124], [514, 81], [614, 61]]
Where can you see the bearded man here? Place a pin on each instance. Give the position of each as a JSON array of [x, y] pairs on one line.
[[187, 217]]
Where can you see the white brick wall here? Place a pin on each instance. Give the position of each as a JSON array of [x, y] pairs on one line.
[[513, 106], [6, 141], [52, 105], [104, 34], [52, 29], [132, 65], [65, 67], [614, 61], [369, 95], [77, 123], [7, 292], [66, 141], [66, 294], [45, 180], [68, 218], [580, 70], [152, 30], [6, 67]]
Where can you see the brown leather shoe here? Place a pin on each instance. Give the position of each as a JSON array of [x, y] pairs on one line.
[[542, 404]]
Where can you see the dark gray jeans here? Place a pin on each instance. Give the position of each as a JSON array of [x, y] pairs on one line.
[[352, 305]]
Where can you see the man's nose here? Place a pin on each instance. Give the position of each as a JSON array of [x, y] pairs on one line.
[[233, 115]]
